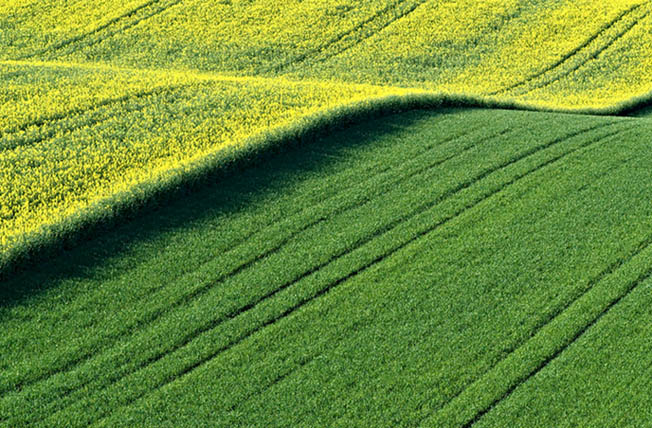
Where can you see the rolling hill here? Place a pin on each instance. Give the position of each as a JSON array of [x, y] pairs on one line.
[[387, 213], [105, 76]]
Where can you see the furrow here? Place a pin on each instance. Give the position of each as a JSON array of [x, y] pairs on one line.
[[572, 53], [83, 110], [631, 287], [5, 147], [314, 53], [113, 22], [593, 55], [185, 299], [465, 185]]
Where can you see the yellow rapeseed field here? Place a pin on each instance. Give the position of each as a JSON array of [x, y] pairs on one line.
[[103, 102]]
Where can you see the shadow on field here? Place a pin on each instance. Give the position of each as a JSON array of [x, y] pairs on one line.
[[228, 193], [645, 111]]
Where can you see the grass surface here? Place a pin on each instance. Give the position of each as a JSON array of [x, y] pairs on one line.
[[440, 269]]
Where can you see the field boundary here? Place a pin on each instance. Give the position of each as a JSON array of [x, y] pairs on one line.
[[105, 213]]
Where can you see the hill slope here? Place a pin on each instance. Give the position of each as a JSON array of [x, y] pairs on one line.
[[154, 91], [446, 266], [427, 268]]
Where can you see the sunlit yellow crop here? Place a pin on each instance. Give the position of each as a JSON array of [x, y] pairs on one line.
[[147, 128], [103, 101]]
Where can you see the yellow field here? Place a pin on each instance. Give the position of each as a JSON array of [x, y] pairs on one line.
[[104, 102]]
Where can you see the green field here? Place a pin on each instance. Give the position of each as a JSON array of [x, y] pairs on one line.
[[435, 268], [326, 213]]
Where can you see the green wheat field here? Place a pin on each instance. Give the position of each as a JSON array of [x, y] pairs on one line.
[[326, 213]]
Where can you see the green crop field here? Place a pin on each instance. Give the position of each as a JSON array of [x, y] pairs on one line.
[[326, 213]]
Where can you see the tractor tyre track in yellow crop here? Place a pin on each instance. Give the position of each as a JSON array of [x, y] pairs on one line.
[[141, 13], [595, 53], [380, 28], [321, 53], [58, 117], [570, 55], [88, 122]]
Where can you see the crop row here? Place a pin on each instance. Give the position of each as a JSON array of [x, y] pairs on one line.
[[279, 296]]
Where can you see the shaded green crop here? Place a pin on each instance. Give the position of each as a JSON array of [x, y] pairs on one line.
[[379, 276]]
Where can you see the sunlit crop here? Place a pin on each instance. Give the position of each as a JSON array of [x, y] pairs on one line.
[[102, 102], [244, 213]]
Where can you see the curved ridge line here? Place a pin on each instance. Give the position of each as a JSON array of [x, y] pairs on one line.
[[111, 208], [453, 99], [462, 186], [219, 160], [570, 54]]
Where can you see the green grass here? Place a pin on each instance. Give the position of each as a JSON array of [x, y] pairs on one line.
[[428, 268]]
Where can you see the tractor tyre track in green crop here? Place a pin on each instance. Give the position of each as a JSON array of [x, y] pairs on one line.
[[247, 263], [631, 287], [392, 226], [251, 262]]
